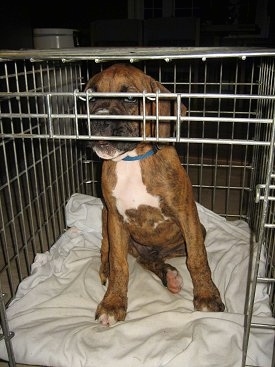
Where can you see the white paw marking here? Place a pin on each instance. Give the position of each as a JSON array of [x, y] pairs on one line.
[[107, 320], [205, 309]]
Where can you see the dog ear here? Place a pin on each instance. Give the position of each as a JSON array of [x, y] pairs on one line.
[[166, 108], [91, 82]]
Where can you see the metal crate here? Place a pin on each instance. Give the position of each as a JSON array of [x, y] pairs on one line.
[[226, 143]]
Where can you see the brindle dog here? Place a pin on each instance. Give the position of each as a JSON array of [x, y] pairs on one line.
[[150, 211]]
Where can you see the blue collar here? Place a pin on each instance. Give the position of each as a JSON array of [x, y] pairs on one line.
[[142, 156]]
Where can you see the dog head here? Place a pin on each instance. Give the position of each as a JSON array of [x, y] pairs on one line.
[[126, 79]]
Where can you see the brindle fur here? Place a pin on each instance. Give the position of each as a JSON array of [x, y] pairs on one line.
[[180, 234]]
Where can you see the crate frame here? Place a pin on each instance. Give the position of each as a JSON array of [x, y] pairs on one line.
[[47, 101]]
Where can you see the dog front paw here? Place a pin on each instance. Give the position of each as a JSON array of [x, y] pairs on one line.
[[211, 303], [107, 320], [109, 315]]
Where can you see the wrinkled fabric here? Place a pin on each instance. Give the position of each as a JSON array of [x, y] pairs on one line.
[[53, 313]]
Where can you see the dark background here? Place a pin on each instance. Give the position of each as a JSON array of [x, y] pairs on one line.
[[18, 18]]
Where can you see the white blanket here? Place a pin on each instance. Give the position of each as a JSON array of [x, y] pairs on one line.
[[53, 312]]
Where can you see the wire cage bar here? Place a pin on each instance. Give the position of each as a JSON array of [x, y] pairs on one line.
[[225, 141]]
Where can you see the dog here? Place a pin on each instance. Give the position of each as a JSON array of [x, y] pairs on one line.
[[149, 210]]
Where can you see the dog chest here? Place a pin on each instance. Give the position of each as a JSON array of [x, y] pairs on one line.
[[130, 191]]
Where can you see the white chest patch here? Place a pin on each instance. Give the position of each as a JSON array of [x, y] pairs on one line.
[[130, 191]]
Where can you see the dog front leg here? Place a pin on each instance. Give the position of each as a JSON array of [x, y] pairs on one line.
[[105, 266], [206, 294], [113, 307]]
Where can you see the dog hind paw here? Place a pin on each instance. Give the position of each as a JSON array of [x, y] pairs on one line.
[[174, 281]]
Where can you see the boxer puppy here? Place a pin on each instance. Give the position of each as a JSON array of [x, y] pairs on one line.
[[149, 208]]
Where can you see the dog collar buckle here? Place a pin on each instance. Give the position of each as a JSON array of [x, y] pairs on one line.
[[142, 156]]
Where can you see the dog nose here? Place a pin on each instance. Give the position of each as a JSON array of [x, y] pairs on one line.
[[101, 127]]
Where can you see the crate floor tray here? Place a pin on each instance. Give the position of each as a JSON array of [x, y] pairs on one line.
[[52, 314]]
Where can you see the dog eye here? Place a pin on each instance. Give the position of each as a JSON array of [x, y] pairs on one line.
[[130, 99]]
